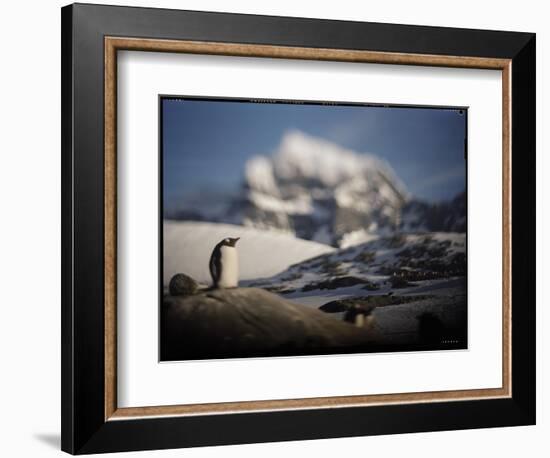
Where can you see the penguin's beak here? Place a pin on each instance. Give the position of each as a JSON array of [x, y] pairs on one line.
[[235, 240]]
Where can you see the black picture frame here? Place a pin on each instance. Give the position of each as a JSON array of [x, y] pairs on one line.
[[85, 428]]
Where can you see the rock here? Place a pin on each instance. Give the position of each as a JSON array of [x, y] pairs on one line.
[[337, 306], [182, 285], [359, 310], [244, 322], [366, 304], [399, 282], [334, 283], [355, 311]]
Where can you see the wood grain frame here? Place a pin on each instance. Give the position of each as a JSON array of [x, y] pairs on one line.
[[114, 44]]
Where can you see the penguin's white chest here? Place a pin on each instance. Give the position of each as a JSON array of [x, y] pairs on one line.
[[229, 275]]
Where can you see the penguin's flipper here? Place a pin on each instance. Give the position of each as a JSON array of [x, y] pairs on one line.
[[215, 265]]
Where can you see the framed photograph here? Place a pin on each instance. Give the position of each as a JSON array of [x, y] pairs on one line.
[[281, 228], [314, 233]]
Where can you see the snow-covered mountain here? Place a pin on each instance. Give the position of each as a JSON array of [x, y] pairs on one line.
[[404, 262], [320, 191]]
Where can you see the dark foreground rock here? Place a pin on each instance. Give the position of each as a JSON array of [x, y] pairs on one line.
[[241, 322]]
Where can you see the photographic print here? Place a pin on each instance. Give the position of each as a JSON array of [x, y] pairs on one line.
[[295, 228]]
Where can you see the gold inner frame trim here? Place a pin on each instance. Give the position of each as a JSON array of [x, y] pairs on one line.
[[114, 44]]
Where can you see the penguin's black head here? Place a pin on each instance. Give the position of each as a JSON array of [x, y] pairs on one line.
[[230, 241]]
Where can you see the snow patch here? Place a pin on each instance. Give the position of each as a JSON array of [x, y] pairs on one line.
[[356, 238], [188, 246]]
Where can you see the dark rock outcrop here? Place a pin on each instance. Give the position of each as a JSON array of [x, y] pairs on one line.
[[334, 283], [243, 322], [368, 303]]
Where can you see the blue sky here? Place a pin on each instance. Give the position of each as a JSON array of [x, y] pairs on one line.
[[207, 142]]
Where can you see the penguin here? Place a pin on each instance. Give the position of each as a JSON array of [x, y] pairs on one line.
[[224, 264]]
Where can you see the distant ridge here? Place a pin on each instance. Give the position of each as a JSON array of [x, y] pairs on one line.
[[317, 190]]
